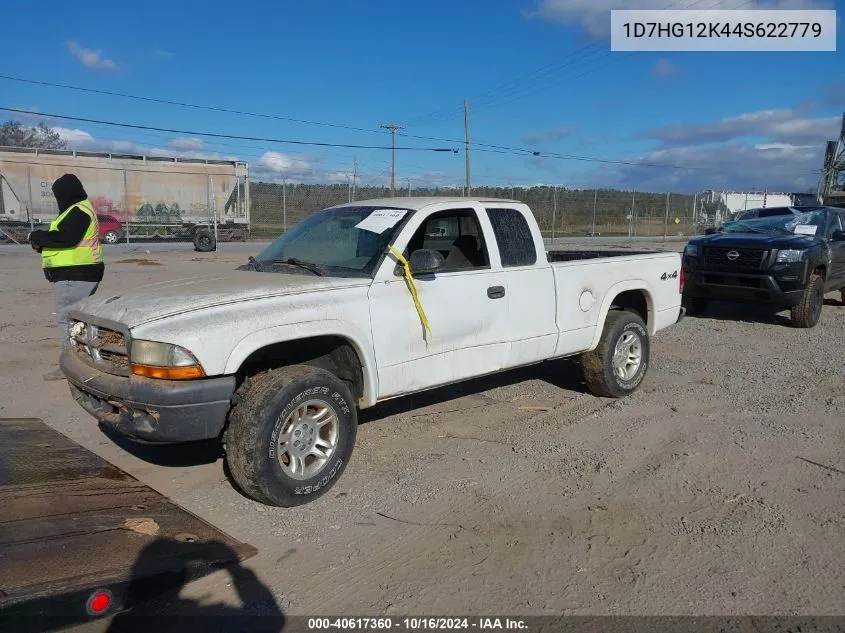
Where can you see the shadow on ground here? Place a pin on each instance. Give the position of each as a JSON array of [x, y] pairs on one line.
[[149, 599], [563, 374], [753, 313], [169, 455]]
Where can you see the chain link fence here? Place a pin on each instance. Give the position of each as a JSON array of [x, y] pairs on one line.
[[560, 212]]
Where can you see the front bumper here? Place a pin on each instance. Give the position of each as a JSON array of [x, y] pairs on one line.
[[756, 287], [149, 410]]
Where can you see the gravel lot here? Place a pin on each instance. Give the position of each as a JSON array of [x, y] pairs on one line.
[[718, 488]]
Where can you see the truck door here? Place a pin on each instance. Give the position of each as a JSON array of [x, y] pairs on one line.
[[465, 303], [531, 287]]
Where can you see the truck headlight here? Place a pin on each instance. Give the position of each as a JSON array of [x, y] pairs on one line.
[[691, 250], [789, 256], [152, 359]]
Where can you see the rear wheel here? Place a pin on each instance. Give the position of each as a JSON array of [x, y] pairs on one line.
[[842, 297], [291, 435], [696, 305], [809, 310], [111, 237], [619, 363]]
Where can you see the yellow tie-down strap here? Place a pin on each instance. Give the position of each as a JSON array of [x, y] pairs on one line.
[[409, 279]]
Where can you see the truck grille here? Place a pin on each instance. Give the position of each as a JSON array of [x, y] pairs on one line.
[[734, 257], [100, 346]]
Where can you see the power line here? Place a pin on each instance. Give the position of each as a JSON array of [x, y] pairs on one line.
[[230, 136], [185, 104], [514, 90]]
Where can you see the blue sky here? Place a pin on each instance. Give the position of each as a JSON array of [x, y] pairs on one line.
[[538, 74]]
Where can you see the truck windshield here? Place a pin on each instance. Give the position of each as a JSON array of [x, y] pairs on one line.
[[328, 243], [811, 223]]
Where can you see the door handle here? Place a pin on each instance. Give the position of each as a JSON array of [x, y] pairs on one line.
[[496, 292]]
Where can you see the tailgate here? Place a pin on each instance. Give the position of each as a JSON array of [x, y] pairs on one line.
[[72, 523]]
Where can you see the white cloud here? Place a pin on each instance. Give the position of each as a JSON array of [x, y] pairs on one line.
[[90, 58], [737, 166], [74, 137], [594, 15], [664, 68], [783, 125], [186, 144]]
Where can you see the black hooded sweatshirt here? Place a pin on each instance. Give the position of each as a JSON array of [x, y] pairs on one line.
[[68, 191]]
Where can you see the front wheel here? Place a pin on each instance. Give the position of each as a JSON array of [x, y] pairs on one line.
[[807, 313], [111, 237], [291, 435], [619, 363]]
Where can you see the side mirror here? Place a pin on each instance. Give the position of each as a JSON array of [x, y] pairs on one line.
[[425, 261], [838, 236]]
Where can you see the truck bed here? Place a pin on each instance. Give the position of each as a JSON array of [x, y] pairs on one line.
[[72, 523], [573, 255]]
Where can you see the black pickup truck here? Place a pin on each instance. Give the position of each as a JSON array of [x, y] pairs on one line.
[[784, 261]]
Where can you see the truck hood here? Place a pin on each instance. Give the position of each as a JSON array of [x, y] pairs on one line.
[[160, 300], [758, 240]]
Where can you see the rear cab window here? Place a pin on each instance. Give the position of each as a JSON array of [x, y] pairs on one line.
[[513, 235]]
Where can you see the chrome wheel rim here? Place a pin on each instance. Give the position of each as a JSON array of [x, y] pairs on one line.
[[307, 439], [628, 356]]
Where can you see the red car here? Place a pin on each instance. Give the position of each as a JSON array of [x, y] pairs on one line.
[[111, 230]]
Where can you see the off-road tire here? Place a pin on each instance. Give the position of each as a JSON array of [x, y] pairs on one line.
[[597, 365], [807, 313], [204, 241], [842, 296], [262, 405], [696, 305]]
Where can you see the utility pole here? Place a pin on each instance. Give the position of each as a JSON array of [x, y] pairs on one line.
[[409, 187], [631, 218], [666, 219], [393, 127], [466, 136], [595, 200], [354, 175], [554, 210]]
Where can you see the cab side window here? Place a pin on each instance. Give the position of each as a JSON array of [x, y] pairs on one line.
[[457, 235], [513, 235]]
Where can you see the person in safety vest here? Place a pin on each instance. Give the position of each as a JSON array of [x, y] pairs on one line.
[[71, 255]]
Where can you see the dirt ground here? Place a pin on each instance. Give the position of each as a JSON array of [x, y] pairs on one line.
[[718, 488]]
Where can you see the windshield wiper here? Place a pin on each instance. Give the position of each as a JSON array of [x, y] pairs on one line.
[[293, 261]]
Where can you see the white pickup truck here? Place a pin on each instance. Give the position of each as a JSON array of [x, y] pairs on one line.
[[355, 305]]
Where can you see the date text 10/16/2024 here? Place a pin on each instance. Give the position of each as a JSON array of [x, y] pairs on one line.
[[417, 624]]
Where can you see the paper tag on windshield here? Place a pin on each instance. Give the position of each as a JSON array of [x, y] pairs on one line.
[[805, 229], [380, 220]]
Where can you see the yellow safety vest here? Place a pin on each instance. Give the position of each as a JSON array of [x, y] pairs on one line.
[[87, 252]]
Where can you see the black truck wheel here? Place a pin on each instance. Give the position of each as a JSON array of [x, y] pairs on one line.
[[809, 310], [696, 305], [619, 363], [204, 241], [290, 435]]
